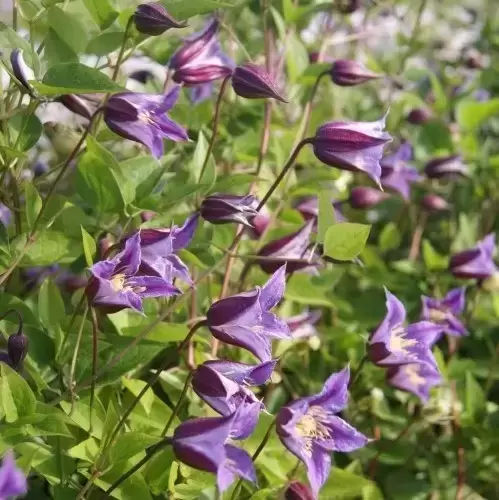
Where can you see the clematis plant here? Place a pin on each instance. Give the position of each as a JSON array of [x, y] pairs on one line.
[[12, 481], [416, 378]]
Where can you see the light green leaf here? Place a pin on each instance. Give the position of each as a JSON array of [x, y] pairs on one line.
[[181, 9], [475, 399], [68, 28], [57, 51], [89, 247], [102, 12], [130, 444], [33, 204], [50, 306], [432, 259], [9, 39], [16, 398], [210, 173], [27, 130], [389, 237], [50, 247], [105, 43], [470, 114], [326, 215], [345, 240]]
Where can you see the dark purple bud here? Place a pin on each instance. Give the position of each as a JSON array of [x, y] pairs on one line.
[[347, 73], [446, 166], [21, 70], [147, 215], [348, 6], [226, 208], [77, 105], [313, 57], [17, 344], [298, 491], [477, 262], [153, 19], [142, 76], [419, 116], [434, 203], [40, 168], [366, 197], [254, 82]]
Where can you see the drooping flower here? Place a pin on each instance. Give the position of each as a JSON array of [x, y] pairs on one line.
[[396, 174], [309, 208], [116, 283], [291, 249], [12, 480], [242, 373], [302, 326], [200, 60], [253, 81], [395, 343], [434, 203], [419, 116], [446, 166], [158, 247], [348, 73], [416, 378], [297, 490], [226, 208], [445, 311], [17, 347], [310, 429], [477, 262], [21, 70], [78, 105], [142, 118], [354, 146], [205, 444], [153, 19], [362, 197], [245, 320]]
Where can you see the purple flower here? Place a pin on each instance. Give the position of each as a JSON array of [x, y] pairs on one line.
[[5, 215], [347, 73], [242, 373], [446, 166], [199, 93], [477, 262], [17, 348], [21, 70], [362, 197], [252, 81], [226, 208], [158, 247], [354, 146], [419, 116], [245, 320], [445, 311], [141, 118], [309, 208], [200, 59], [434, 203], [153, 19], [12, 480], [117, 284], [78, 105], [260, 222], [394, 343], [310, 429], [416, 378], [204, 443], [302, 326], [291, 249], [298, 491]]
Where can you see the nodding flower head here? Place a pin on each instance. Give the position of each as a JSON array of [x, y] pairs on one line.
[[253, 81], [153, 19], [446, 167], [362, 197], [477, 262], [227, 208], [21, 70], [347, 73], [445, 311], [416, 378]]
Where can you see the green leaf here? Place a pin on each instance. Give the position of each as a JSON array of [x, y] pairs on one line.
[[16, 398], [50, 306], [105, 43], [326, 215], [475, 399], [27, 128], [89, 247], [343, 484], [301, 289], [432, 259], [210, 173], [181, 9], [102, 12], [9, 39], [57, 51], [130, 444], [75, 78], [33, 204], [68, 28], [345, 240], [390, 237], [470, 114]]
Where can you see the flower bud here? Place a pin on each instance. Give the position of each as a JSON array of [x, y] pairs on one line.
[[419, 116], [77, 105], [297, 490], [226, 208], [5, 215], [40, 168], [366, 197], [445, 166], [21, 70], [254, 82], [153, 19], [147, 215], [434, 203], [17, 347], [348, 73]]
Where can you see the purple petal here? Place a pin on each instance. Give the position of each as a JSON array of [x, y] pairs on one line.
[[129, 259], [200, 93], [395, 316], [273, 291], [153, 286], [275, 327], [12, 480], [243, 373], [104, 269], [183, 235], [344, 437], [318, 469], [241, 308], [455, 300], [334, 395], [238, 463]]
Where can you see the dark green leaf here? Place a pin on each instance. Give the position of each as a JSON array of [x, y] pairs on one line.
[[105, 43], [27, 129]]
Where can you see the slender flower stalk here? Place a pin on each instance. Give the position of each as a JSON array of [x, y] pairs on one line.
[[121, 53]]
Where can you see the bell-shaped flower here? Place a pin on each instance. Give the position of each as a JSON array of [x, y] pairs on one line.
[[292, 249], [353, 146], [311, 430], [419, 116], [253, 81], [200, 60], [153, 19], [395, 343], [158, 247], [242, 373], [347, 73], [13, 482], [446, 166], [245, 320], [363, 197], [205, 444], [142, 118], [444, 311], [477, 262], [302, 326], [116, 283], [227, 208], [416, 378]]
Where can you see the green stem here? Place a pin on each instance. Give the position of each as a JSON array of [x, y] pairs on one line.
[[178, 405], [122, 49], [14, 15], [355, 375], [71, 322], [95, 330]]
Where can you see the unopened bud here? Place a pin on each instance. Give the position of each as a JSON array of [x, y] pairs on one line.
[[21, 70], [366, 197], [298, 491], [347, 73], [153, 19], [17, 344], [434, 203], [254, 82], [77, 105], [419, 116]]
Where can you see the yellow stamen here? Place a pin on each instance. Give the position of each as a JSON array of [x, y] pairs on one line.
[[398, 343], [118, 282], [310, 427], [438, 316], [412, 373]]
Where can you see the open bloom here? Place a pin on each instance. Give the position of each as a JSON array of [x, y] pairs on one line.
[[445, 311], [310, 429], [396, 174], [242, 373], [142, 118], [446, 166], [158, 247], [205, 444], [252, 81], [226, 208], [291, 249], [347, 73], [354, 146], [200, 60], [416, 378], [395, 343], [116, 283], [477, 262], [245, 320], [12, 481]]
